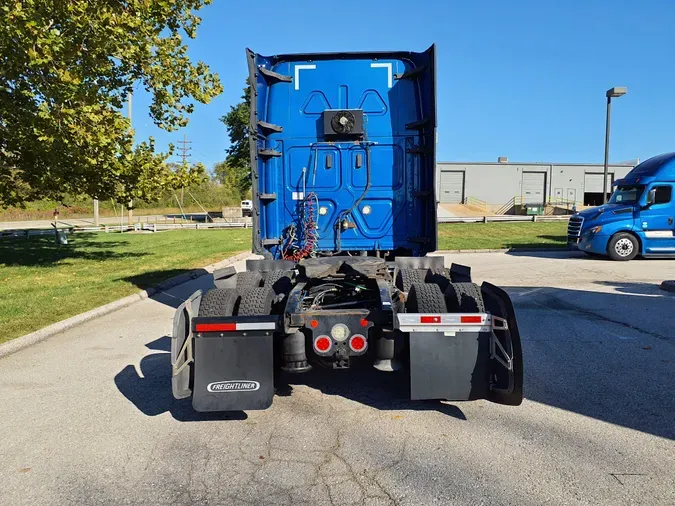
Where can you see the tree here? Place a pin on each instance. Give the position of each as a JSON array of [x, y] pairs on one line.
[[66, 68], [235, 178], [238, 161], [220, 172]]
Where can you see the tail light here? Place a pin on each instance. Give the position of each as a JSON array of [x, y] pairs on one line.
[[358, 343], [323, 344]]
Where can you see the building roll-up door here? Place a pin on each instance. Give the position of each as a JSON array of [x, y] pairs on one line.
[[593, 182], [452, 187], [533, 188]]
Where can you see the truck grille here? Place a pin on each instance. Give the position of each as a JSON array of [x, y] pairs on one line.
[[574, 229]]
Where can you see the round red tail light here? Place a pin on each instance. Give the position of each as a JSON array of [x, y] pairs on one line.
[[364, 322], [323, 344], [358, 343]]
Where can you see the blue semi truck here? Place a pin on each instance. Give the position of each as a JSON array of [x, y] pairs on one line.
[[344, 215], [637, 220]]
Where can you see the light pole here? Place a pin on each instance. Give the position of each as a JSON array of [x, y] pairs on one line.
[[131, 202], [615, 92]]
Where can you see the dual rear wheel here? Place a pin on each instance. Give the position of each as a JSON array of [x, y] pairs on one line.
[[255, 294], [433, 292]]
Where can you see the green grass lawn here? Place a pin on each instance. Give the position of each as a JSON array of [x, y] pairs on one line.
[[501, 235], [41, 283]]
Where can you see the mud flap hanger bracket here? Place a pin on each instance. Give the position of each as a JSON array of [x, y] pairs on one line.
[[189, 356], [500, 324]]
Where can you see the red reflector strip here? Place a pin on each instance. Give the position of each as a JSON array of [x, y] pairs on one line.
[[215, 327], [471, 319], [430, 319]]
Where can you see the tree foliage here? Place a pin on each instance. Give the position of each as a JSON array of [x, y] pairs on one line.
[[237, 164], [66, 68], [236, 178]]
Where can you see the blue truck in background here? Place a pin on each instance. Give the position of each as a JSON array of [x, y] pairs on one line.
[[343, 152], [637, 220]]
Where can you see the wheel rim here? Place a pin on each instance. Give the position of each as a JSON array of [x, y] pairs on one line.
[[623, 247]]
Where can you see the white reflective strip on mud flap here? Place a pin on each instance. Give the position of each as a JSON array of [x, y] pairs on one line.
[[257, 326]]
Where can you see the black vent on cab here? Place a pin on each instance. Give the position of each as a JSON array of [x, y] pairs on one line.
[[343, 124]]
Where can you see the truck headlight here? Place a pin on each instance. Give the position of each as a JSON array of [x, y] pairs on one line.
[[597, 229]]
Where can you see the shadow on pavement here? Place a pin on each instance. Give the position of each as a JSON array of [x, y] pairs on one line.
[[561, 252], [608, 356], [161, 344], [379, 390], [151, 392], [635, 288]]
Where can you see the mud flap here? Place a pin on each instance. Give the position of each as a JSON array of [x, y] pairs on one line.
[[225, 278], [460, 273], [459, 364], [233, 371], [506, 354], [449, 367], [181, 346]]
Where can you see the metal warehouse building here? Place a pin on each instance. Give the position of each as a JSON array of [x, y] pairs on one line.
[[501, 185]]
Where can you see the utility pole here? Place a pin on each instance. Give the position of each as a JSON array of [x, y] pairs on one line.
[[97, 221], [131, 202], [184, 154]]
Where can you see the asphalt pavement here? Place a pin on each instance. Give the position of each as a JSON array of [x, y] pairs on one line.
[[88, 416]]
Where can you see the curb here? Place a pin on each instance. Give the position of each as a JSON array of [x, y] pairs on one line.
[[505, 250], [668, 286], [40, 335]]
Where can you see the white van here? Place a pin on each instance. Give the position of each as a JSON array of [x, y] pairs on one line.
[[246, 208]]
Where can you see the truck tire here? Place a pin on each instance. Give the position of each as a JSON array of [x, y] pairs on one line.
[[426, 298], [407, 277], [248, 279], [440, 277], [279, 280], [464, 298], [219, 302], [623, 246], [257, 301]]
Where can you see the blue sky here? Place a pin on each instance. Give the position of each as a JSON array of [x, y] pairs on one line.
[[523, 79]]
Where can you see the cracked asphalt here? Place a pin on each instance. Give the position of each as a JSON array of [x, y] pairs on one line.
[[88, 416]]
